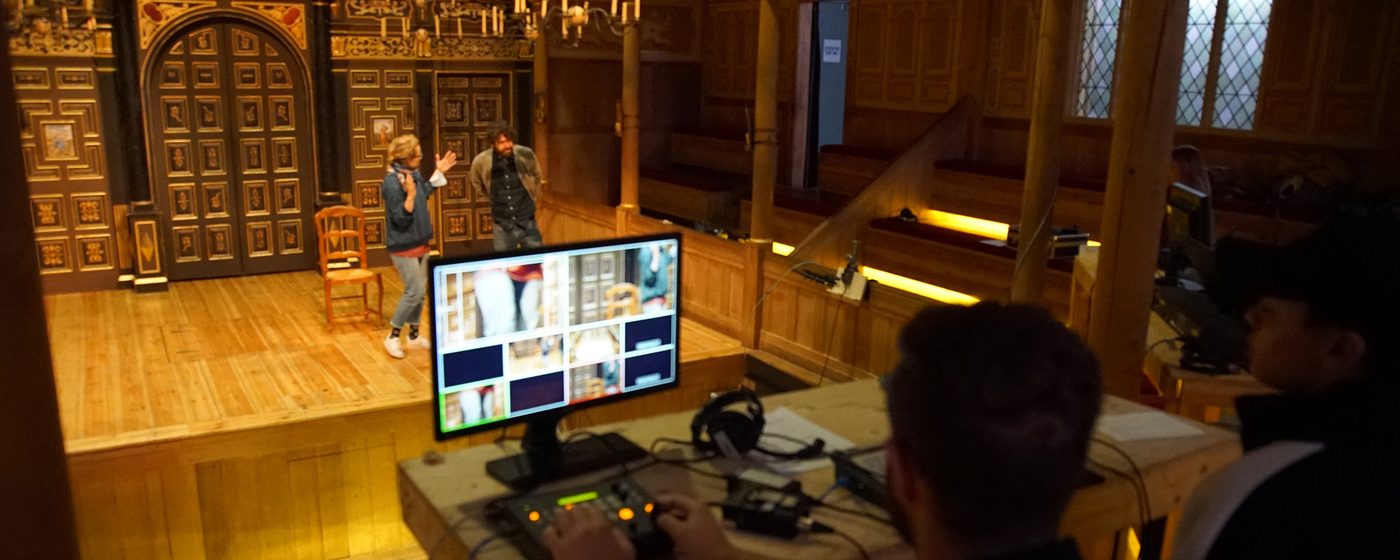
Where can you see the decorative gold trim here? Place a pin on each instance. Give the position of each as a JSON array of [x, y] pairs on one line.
[[364, 78], [54, 262], [169, 79], [212, 150], [282, 229], [86, 216], [212, 68], [209, 242], [147, 247], [188, 165], [32, 40], [291, 18], [58, 210], [250, 121], [30, 78], [84, 251], [372, 47], [154, 15], [191, 210], [169, 126], [286, 122], [216, 196], [287, 155], [252, 240], [274, 69], [285, 204], [75, 78], [254, 161], [202, 102], [183, 252], [256, 205], [253, 69]]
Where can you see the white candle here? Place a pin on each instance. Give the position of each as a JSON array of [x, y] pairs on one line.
[[437, 26], [459, 27], [613, 10], [483, 23], [403, 26], [383, 28], [637, 10]]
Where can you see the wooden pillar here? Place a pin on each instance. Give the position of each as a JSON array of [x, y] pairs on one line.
[[36, 503], [1144, 122], [1042, 151], [765, 167], [540, 77], [631, 141]]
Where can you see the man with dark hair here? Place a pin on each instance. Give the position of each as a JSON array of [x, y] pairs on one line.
[[1319, 475], [991, 409], [511, 176]]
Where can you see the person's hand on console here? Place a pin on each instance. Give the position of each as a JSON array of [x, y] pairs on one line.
[[583, 533], [696, 533]]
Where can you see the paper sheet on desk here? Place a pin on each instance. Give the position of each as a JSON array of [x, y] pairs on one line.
[[792, 425], [1137, 426]]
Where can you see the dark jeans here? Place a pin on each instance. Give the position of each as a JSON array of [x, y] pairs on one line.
[[516, 234]]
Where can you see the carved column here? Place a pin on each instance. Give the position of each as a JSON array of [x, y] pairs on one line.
[[325, 93], [540, 77], [765, 168], [143, 218]]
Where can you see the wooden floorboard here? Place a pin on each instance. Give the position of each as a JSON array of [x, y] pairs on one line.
[[234, 353]]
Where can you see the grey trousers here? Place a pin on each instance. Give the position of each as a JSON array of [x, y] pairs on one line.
[[509, 235], [414, 273]]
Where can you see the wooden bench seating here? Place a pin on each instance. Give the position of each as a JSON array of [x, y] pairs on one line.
[[957, 261], [847, 170], [710, 149], [694, 193], [795, 213]]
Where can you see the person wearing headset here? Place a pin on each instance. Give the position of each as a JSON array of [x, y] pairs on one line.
[[982, 395]]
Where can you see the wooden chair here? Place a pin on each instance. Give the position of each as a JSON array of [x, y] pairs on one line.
[[340, 239], [623, 297]]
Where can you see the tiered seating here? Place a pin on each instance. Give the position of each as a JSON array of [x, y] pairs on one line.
[[847, 170], [993, 192], [706, 169], [955, 260]]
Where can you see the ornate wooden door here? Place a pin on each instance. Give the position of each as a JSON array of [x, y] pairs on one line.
[[230, 132], [468, 103]]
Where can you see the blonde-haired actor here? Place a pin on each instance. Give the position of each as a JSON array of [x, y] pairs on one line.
[[410, 229]]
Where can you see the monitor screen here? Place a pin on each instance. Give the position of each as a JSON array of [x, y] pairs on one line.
[[530, 332], [1189, 215]]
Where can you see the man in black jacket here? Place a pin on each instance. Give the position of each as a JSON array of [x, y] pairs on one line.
[[1320, 477]]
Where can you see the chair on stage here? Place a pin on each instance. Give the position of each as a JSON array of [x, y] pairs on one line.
[[340, 241], [623, 297]]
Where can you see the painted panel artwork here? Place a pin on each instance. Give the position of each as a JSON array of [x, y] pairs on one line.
[[58, 141], [382, 131]]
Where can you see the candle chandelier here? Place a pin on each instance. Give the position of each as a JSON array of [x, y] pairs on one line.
[[52, 16], [526, 19]]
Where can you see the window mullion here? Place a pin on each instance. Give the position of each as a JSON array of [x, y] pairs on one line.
[[1217, 41]]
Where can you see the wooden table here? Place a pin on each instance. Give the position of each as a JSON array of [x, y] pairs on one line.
[[443, 503], [1193, 394]]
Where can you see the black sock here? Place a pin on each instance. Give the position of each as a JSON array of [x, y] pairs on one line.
[[412, 332], [395, 333]]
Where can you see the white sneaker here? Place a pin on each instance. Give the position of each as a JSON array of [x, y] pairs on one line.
[[394, 347], [420, 342]]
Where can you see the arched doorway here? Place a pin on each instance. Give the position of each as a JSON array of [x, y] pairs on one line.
[[231, 152]]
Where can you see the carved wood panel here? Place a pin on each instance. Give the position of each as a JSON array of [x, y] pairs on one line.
[[467, 104], [382, 106], [65, 166], [231, 152], [904, 53]]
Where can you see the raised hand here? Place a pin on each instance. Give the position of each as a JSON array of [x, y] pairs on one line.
[[445, 162]]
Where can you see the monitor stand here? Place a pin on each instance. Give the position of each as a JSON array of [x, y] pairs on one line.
[[545, 458]]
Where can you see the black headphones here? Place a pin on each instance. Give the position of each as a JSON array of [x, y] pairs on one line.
[[742, 429]]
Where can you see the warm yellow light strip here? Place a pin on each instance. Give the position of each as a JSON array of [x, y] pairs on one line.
[[974, 226], [966, 224], [936, 293], [783, 249]]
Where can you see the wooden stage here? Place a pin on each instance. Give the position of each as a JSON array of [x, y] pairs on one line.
[[225, 419]]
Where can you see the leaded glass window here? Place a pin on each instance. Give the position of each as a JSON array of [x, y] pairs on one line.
[[1195, 64], [1099, 50], [1241, 60]]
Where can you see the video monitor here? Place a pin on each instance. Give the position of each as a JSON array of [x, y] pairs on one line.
[[535, 334]]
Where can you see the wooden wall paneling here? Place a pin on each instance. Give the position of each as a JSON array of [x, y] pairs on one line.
[[382, 104], [1353, 76], [1290, 69], [1012, 58]]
